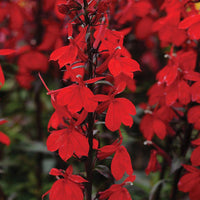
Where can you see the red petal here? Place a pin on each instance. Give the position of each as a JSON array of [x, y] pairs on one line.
[[194, 116], [191, 168], [146, 126], [69, 171], [168, 74], [184, 92], [196, 142], [4, 139], [69, 56], [141, 9], [194, 32], [33, 61], [192, 76], [172, 94], [131, 179], [5, 52], [93, 80], [187, 22], [79, 143], [121, 163], [77, 179], [72, 97], [112, 120], [56, 172], [114, 67], [88, 103], [56, 54], [55, 140], [188, 181], [59, 190], [2, 78], [108, 150], [159, 128], [2, 121]]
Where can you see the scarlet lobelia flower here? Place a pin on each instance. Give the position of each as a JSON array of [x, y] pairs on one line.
[[68, 186], [68, 141], [74, 49], [190, 182], [153, 164], [77, 96], [156, 122], [123, 65], [121, 161], [119, 109], [117, 191]]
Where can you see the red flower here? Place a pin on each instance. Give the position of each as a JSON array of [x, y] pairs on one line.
[[121, 161], [190, 182], [153, 164], [78, 96], [126, 80], [4, 139], [117, 191], [192, 23], [68, 187], [168, 31], [33, 61], [60, 115], [143, 28], [156, 122], [28, 62], [119, 111], [150, 125], [65, 55], [123, 65], [68, 141]]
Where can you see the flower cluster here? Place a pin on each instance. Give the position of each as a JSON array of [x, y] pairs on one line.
[[96, 69], [32, 29], [172, 112]]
